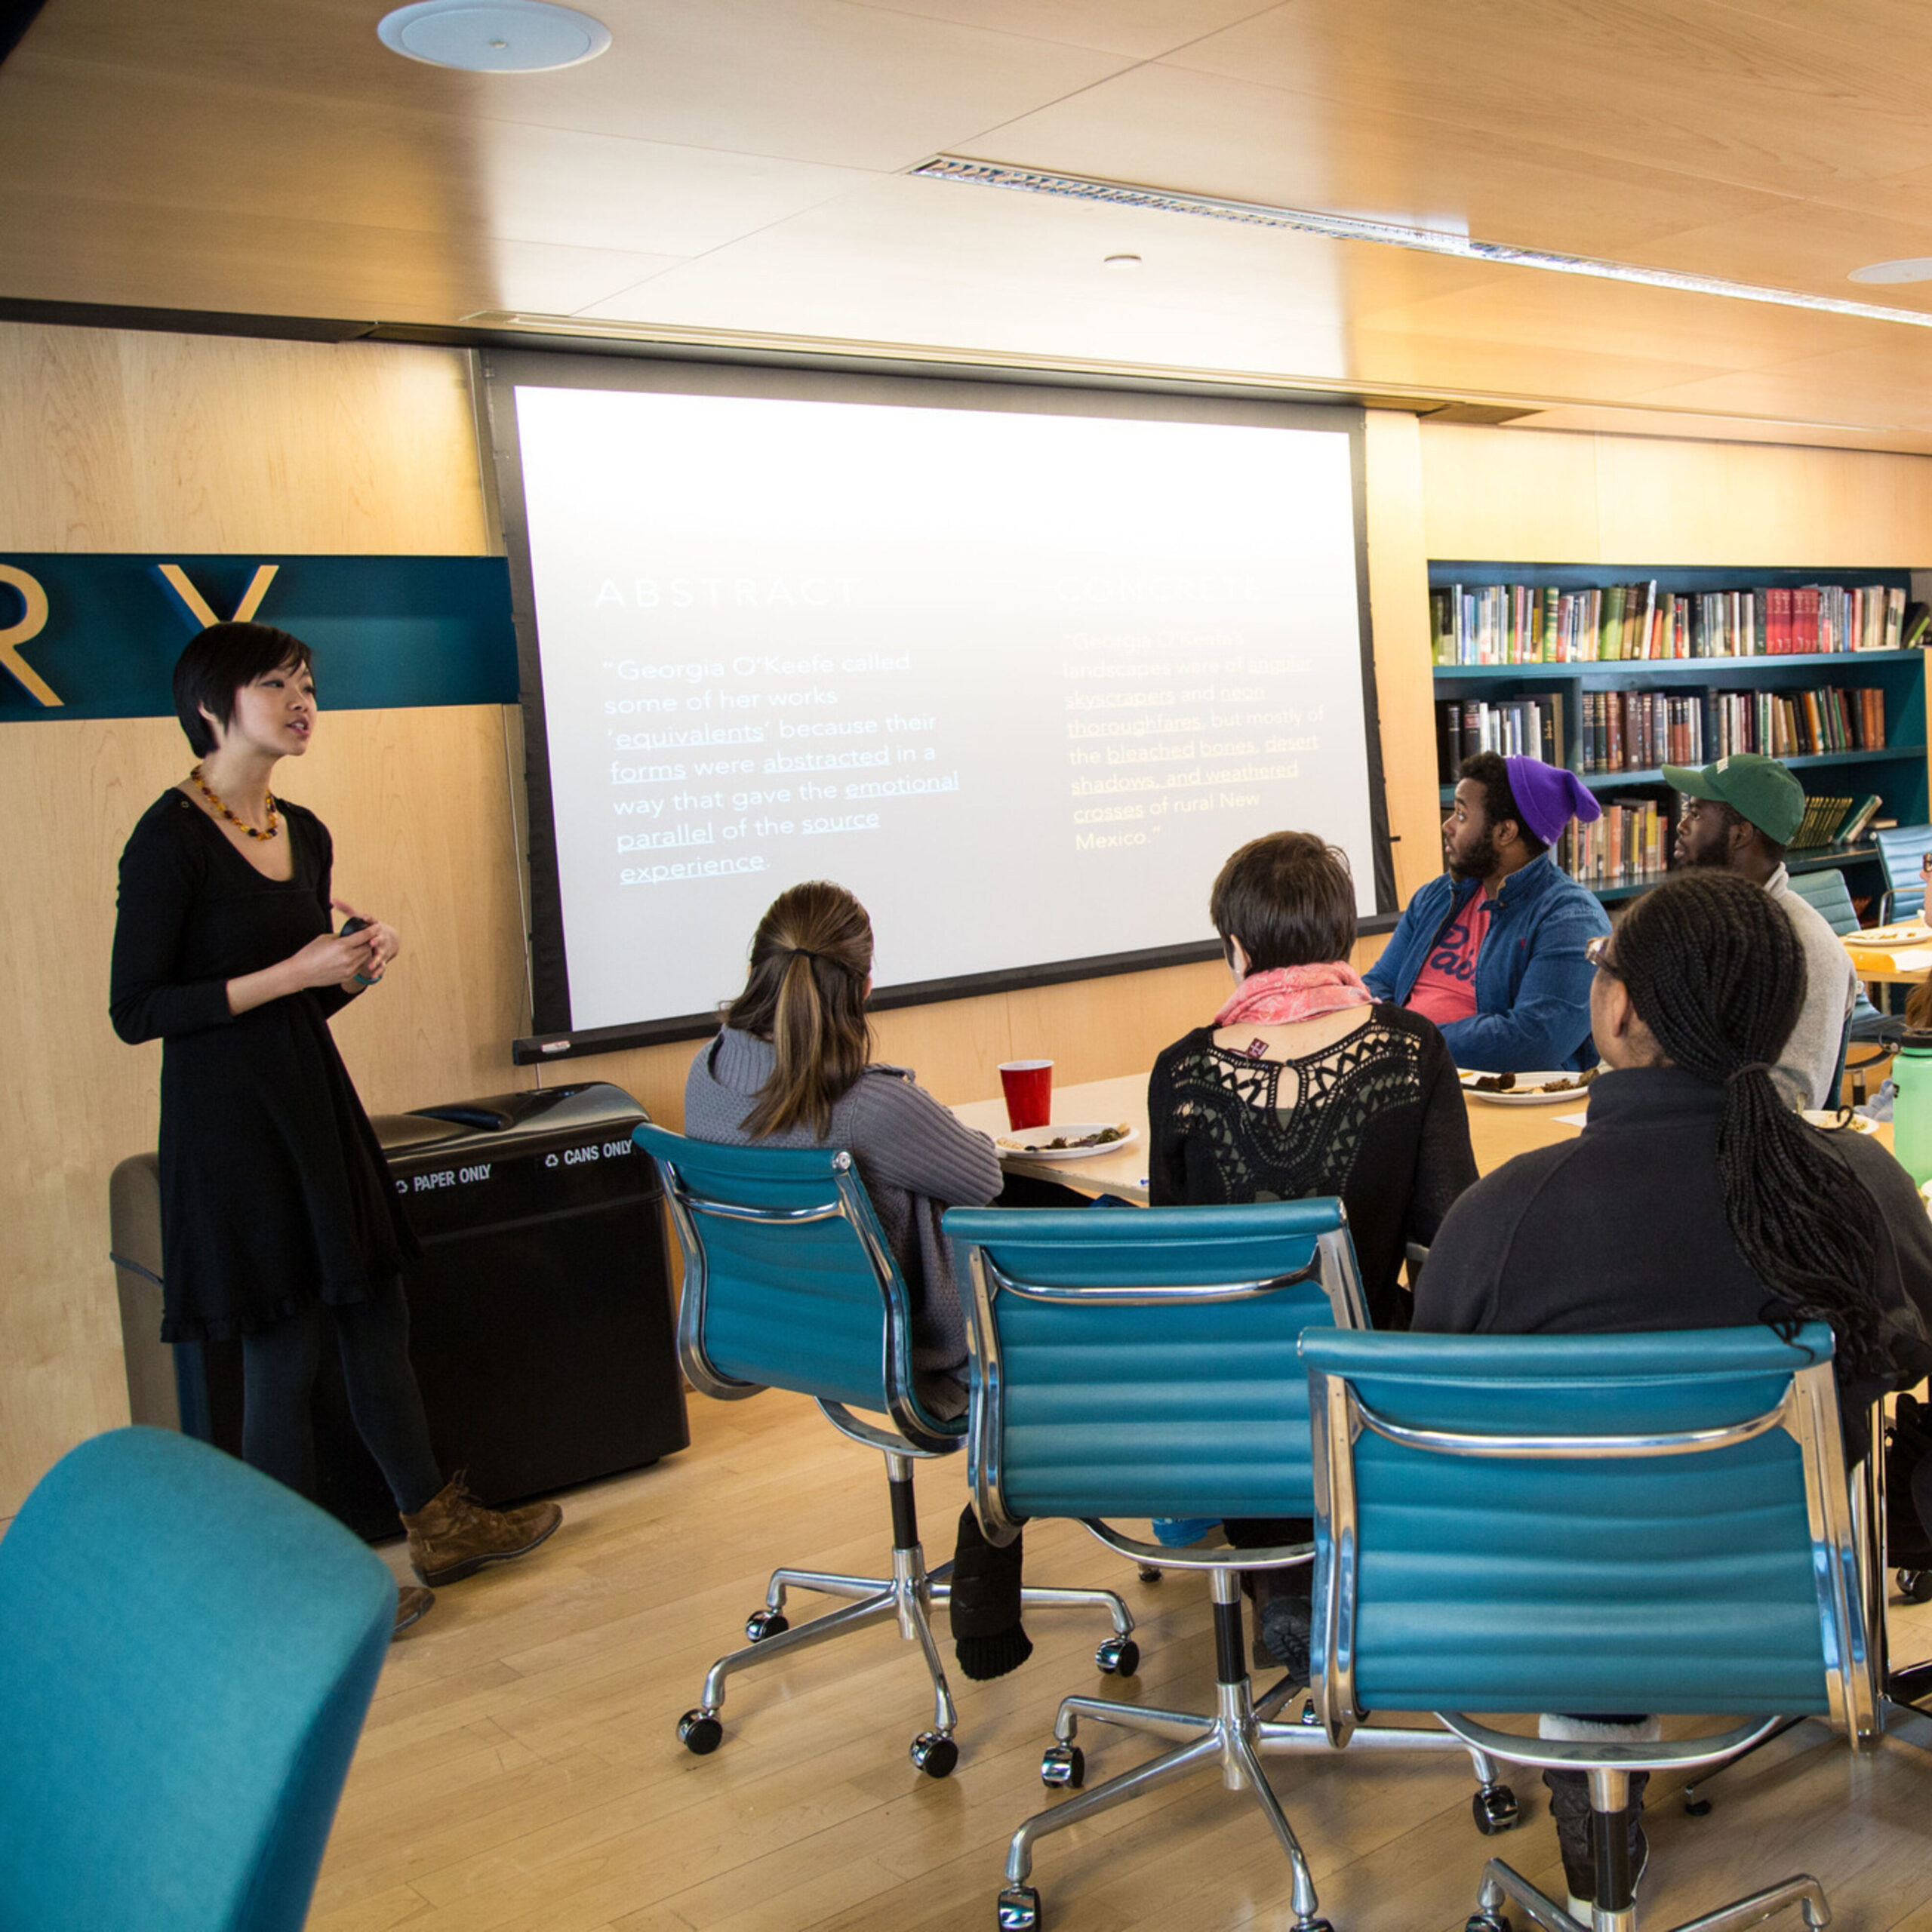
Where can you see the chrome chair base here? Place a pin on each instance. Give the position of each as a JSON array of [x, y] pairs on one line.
[[909, 1597], [1502, 1886], [1233, 1739]]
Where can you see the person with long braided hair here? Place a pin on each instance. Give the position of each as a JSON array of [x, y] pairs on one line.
[[1695, 1198]]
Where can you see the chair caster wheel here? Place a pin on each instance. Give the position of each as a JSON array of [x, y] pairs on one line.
[[701, 1732], [1916, 1585], [1495, 1809], [1063, 1767], [1149, 1574], [763, 1623], [1487, 1921], [1118, 1656], [934, 1754], [1697, 1808], [1313, 1925], [1020, 1909]]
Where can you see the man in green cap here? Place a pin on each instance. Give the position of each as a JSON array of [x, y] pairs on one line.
[[1739, 815]]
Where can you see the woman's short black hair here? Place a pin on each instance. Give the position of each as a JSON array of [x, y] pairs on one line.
[[1289, 898], [217, 663]]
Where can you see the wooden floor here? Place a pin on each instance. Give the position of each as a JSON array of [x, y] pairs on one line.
[[520, 1768]]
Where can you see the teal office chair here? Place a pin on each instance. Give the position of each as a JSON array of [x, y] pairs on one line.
[[789, 1283], [1827, 892], [1531, 1524], [187, 1652], [1900, 848], [1143, 1365]]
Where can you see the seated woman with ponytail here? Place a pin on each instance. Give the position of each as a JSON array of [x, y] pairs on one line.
[[792, 1068], [1694, 1198]]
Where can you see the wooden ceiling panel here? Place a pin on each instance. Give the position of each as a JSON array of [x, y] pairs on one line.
[[1143, 28], [1167, 126], [734, 165], [1399, 358], [1806, 245], [928, 261], [1695, 425], [55, 249], [1569, 311], [825, 81], [166, 143], [1882, 388], [1701, 88]]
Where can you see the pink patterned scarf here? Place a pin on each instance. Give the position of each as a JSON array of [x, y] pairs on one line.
[[1285, 994]]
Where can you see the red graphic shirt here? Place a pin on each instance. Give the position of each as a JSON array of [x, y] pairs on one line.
[[1445, 989]]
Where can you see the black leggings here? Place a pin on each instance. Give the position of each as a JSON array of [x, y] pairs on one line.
[[278, 1375]]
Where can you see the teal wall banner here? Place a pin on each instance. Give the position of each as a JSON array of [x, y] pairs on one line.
[[92, 635]]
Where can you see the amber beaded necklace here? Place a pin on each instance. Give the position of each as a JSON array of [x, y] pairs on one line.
[[274, 825]]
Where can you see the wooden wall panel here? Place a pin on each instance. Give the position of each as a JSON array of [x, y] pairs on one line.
[[1543, 495], [1491, 493], [123, 441], [418, 803], [1398, 601]]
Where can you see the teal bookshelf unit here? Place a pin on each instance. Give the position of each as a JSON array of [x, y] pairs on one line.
[[1896, 771]]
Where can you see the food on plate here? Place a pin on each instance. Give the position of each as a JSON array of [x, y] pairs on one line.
[[1505, 1083], [1060, 1143]]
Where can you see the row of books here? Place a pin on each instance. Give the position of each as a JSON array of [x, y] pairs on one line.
[[1525, 623], [1629, 844], [1835, 821], [1514, 727], [1639, 731]]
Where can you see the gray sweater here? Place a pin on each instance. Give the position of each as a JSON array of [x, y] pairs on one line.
[[1807, 1071], [915, 1159]]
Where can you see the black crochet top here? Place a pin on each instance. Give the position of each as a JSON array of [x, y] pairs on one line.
[[1378, 1118]]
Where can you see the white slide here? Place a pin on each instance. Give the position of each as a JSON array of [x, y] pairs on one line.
[[1020, 681]]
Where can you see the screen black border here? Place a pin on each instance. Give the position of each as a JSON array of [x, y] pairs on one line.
[[500, 372]]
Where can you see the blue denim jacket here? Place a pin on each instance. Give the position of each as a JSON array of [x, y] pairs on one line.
[[1532, 983]]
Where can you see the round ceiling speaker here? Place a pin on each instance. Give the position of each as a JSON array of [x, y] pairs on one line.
[[493, 36]]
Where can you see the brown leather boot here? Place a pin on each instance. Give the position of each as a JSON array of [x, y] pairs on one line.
[[453, 1536], [412, 1604]]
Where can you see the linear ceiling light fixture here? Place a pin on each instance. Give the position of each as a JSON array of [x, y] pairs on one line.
[[1390, 234]]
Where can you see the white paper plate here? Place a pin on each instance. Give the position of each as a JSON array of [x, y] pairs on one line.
[[1023, 1143], [1911, 932], [1523, 1094], [1857, 1122]]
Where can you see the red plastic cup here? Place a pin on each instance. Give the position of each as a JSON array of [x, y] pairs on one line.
[[1029, 1087]]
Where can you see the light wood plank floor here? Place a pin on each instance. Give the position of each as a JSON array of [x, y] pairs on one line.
[[520, 1771]]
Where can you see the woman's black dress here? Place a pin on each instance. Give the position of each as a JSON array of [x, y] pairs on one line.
[[273, 1192]]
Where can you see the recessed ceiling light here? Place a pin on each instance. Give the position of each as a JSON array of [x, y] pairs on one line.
[[1913, 268], [1121, 262], [1398, 235], [493, 36]]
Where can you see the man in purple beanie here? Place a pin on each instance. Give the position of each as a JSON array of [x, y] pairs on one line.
[[1493, 951]]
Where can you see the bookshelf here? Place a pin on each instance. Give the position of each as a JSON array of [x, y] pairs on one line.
[[1887, 756]]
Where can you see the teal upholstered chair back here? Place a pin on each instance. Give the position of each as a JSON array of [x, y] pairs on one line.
[[1582, 1523], [789, 1283], [1826, 891], [1142, 1363], [1900, 848], [187, 1652]]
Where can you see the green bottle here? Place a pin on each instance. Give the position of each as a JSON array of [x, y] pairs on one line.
[[1911, 1111]]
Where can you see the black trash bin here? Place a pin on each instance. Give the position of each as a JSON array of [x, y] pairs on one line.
[[540, 1320]]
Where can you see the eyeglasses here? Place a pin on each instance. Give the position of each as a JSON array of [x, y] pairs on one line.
[[1597, 952]]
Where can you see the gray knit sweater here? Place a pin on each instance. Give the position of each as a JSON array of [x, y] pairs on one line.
[[914, 1158]]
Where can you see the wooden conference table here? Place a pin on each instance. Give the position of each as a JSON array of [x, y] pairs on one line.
[[1903, 960], [1497, 1132]]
